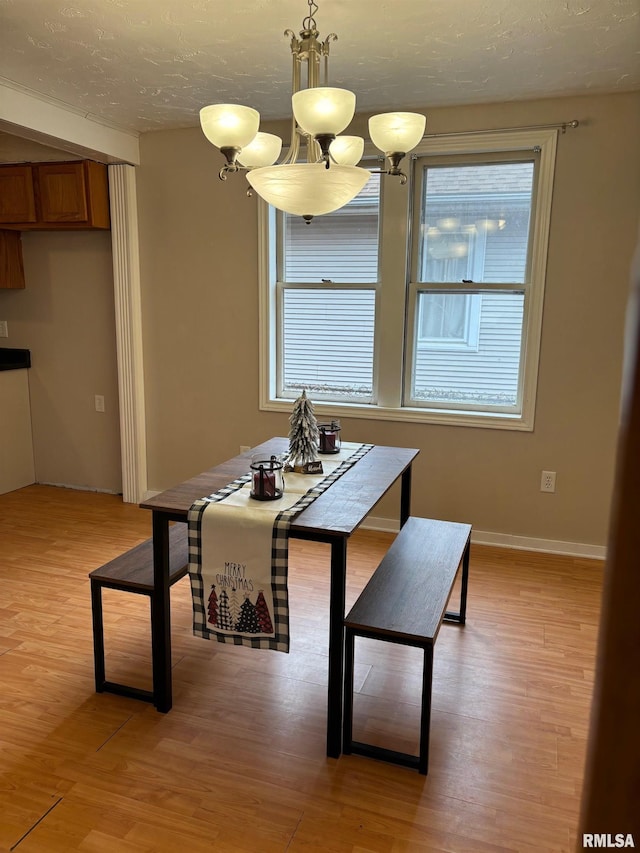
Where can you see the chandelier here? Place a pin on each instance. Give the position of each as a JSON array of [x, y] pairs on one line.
[[329, 177]]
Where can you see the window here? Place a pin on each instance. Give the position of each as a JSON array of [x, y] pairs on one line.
[[473, 229], [416, 303], [326, 296]]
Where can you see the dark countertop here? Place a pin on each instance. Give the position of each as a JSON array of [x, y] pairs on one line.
[[12, 358]]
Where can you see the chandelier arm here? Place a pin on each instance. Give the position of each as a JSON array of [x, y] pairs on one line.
[[313, 64], [314, 152], [325, 53], [398, 173], [294, 145]]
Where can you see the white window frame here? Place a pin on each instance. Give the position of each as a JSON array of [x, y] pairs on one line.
[[396, 298]]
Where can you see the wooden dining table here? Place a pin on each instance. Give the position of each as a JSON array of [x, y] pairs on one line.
[[331, 518]]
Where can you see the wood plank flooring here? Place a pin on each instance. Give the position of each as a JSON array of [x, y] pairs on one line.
[[239, 764]]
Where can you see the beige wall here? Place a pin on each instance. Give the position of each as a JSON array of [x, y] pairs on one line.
[[200, 318], [200, 327], [65, 316]]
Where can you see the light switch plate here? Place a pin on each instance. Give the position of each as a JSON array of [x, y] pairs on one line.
[[4, 331]]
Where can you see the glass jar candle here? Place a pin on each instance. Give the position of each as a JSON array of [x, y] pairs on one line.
[[267, 480], [329, 437]]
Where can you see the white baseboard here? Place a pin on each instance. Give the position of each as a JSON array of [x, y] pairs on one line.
[[506, 540], [79, 488]]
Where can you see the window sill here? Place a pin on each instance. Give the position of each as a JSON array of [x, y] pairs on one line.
[[445, 417]]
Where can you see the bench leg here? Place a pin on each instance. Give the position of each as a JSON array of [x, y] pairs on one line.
[[347, 711], [161, 616], [98, 635], [405, 497], [102, 685], [425, 717], [461, 617]]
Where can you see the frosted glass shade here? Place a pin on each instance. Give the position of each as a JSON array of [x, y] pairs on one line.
[[308, 189], [323, 110], [263, 150], [229, 125], [396, 132], [347, 150]]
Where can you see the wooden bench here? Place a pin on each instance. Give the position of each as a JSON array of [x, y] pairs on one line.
[[132, 572], [405, 602]]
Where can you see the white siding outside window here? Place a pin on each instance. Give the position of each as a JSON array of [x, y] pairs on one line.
[[328, 343]]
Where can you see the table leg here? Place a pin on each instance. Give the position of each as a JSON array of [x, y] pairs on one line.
[[161, 615], [465, 582], [336, 646], [405, 496]]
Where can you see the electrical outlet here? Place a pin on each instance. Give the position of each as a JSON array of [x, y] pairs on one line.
[[4, 330], [99, 403], [548, 481]]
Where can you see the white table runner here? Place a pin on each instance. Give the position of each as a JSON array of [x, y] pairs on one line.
[[238, 555]]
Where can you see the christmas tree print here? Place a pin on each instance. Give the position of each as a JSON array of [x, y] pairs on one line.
[[213, 605], [262, 612], [303, 432], [224, 616], [248, 621], [234, 607]]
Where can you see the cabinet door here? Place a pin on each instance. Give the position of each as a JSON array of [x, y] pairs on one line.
[[62, 191], [17, 201], [11, 267]]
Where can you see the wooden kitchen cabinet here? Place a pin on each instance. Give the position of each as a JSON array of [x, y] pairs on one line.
[[11, 266], [17, 196], [54, 196]]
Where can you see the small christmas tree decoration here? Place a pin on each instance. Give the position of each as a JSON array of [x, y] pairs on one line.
[[303, 438]]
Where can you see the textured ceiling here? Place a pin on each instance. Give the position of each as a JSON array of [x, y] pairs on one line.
[[151, 64]]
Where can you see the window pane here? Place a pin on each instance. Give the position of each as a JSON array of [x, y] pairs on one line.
[[448, 319], [341, 247], [482, 375], [475, 223], [328, 342]]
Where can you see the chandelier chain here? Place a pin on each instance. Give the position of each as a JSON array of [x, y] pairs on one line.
[[309, 23]]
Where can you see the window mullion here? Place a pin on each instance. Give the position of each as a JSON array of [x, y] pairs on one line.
[[391, 303]]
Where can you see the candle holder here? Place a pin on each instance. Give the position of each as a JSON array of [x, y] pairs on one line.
[[329, 439], [267, 479]]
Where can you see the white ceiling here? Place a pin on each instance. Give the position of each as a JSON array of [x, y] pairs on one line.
[[150, 64]]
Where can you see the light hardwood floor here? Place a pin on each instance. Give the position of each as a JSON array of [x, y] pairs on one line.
[[239, 763]]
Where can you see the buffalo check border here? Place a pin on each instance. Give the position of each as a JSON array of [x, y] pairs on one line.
[[279, 561]]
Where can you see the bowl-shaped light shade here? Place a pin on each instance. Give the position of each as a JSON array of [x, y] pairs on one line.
[[263, 150], [323, 109], [308, 189], [229, 125], [347, 150], [391, 132]]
